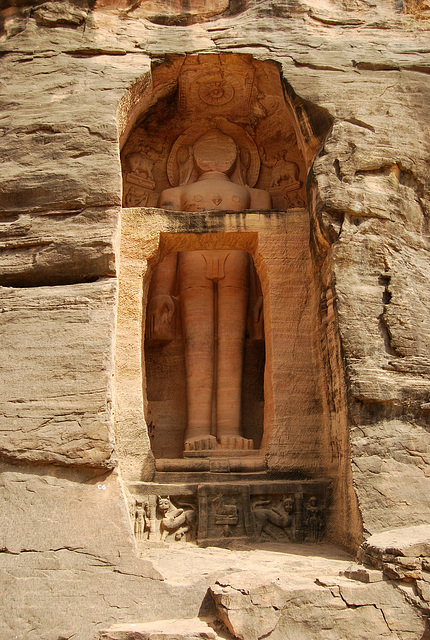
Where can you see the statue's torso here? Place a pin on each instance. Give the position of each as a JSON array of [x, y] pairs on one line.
[[215, 194]]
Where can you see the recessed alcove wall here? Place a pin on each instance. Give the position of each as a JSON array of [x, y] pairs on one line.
[[279, 245]]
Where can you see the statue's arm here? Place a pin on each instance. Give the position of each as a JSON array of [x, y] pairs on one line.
[[260, 199], [163, 279], [161, 306], [171, 199]]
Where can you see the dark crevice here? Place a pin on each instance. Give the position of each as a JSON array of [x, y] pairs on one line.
[[384, 280], [366, 410], [418, 69], [32, 281], [90, 53], [386, 335], [186, 17], [317, 67], [360, 123], [374, 66], [254, 45], [336, 165], [352, 22]]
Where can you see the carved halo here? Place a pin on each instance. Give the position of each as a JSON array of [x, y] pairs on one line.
[[245, 143]]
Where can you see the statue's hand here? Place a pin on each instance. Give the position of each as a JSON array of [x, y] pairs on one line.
[[161, 310], [256, 320]]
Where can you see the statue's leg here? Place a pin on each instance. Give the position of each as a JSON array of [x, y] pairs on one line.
[[197, 309], [233, 292]]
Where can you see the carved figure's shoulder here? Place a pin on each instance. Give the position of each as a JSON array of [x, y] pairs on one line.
[[260, 199], [171, 198]]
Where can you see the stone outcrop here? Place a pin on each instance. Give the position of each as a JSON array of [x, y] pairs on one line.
[[78, 76], [403, 555], [267, 608]]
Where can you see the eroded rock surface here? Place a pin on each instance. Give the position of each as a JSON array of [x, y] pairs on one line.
[[57, 406], [263, 607], [72, 76]]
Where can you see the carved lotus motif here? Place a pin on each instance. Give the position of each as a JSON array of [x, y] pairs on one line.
[[216, 92]]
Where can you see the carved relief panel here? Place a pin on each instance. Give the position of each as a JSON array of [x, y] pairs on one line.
[[160, 519], [221, 513], [231, 96]]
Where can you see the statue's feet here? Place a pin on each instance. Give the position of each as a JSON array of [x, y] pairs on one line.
[[235, 442], [200, 443]]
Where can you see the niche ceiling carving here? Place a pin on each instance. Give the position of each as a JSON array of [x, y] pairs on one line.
[[235, 94]]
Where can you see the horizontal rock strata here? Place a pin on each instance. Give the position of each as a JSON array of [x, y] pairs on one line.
[[74, 76]]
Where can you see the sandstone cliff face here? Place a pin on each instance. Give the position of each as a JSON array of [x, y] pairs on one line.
[[73, 72]]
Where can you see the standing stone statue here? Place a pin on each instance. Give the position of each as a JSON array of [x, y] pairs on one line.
[[214, 291]]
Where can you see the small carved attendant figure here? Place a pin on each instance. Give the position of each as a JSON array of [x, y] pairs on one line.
[[139, 181], [285, 179], [285, 174], [142, 523], [314, 520], [139, 170], [214, 290]]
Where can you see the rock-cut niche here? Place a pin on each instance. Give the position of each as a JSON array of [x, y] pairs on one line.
[[219, 152], [222, 138]]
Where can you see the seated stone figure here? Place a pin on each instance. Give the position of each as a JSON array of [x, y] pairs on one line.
[[214, 290]]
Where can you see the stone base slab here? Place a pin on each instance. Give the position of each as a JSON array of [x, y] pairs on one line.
[[218, 462]]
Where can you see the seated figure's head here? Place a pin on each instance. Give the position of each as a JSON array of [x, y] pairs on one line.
[[214, 151]]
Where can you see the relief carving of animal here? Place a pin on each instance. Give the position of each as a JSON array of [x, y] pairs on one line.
[[175, 520], [281, 517], [285, 174]]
